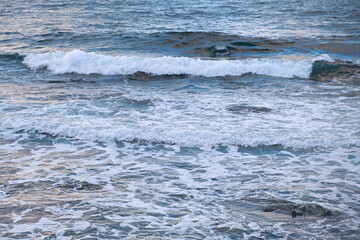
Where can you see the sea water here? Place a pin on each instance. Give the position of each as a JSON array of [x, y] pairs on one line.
[[178, 119]]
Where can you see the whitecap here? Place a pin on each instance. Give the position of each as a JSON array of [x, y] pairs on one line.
[[81, 62]]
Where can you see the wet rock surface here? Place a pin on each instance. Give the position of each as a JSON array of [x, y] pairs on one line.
[[327, 71], [78, 186]]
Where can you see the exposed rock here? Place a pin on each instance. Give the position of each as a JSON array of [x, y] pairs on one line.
[[327, 71]]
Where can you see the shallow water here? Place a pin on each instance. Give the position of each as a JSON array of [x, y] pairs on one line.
[[179, 120]]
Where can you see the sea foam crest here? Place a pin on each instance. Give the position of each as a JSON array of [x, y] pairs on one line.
[[81, 62]]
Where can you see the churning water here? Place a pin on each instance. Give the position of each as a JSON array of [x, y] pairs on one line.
[[178, 119]]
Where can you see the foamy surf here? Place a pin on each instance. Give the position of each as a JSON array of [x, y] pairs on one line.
[[181, 136], [81, 62], [110, 142]]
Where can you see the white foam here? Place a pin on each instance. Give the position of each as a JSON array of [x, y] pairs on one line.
[[81, 62], [323, 57], [182, 135]]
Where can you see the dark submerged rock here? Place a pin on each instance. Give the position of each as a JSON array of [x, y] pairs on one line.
[[238, 109], [246, 44], [78, 186], [296, 210]]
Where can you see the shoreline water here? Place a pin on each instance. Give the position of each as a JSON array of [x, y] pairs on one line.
[[179, 120]]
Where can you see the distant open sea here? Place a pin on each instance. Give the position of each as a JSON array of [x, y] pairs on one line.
[[208, 119]]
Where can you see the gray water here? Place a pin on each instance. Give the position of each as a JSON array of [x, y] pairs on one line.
[[179, 120]]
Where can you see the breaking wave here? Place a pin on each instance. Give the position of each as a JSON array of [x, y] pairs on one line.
[[81, 62]]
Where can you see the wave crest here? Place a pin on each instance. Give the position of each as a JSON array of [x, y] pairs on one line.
[[81, 62]]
